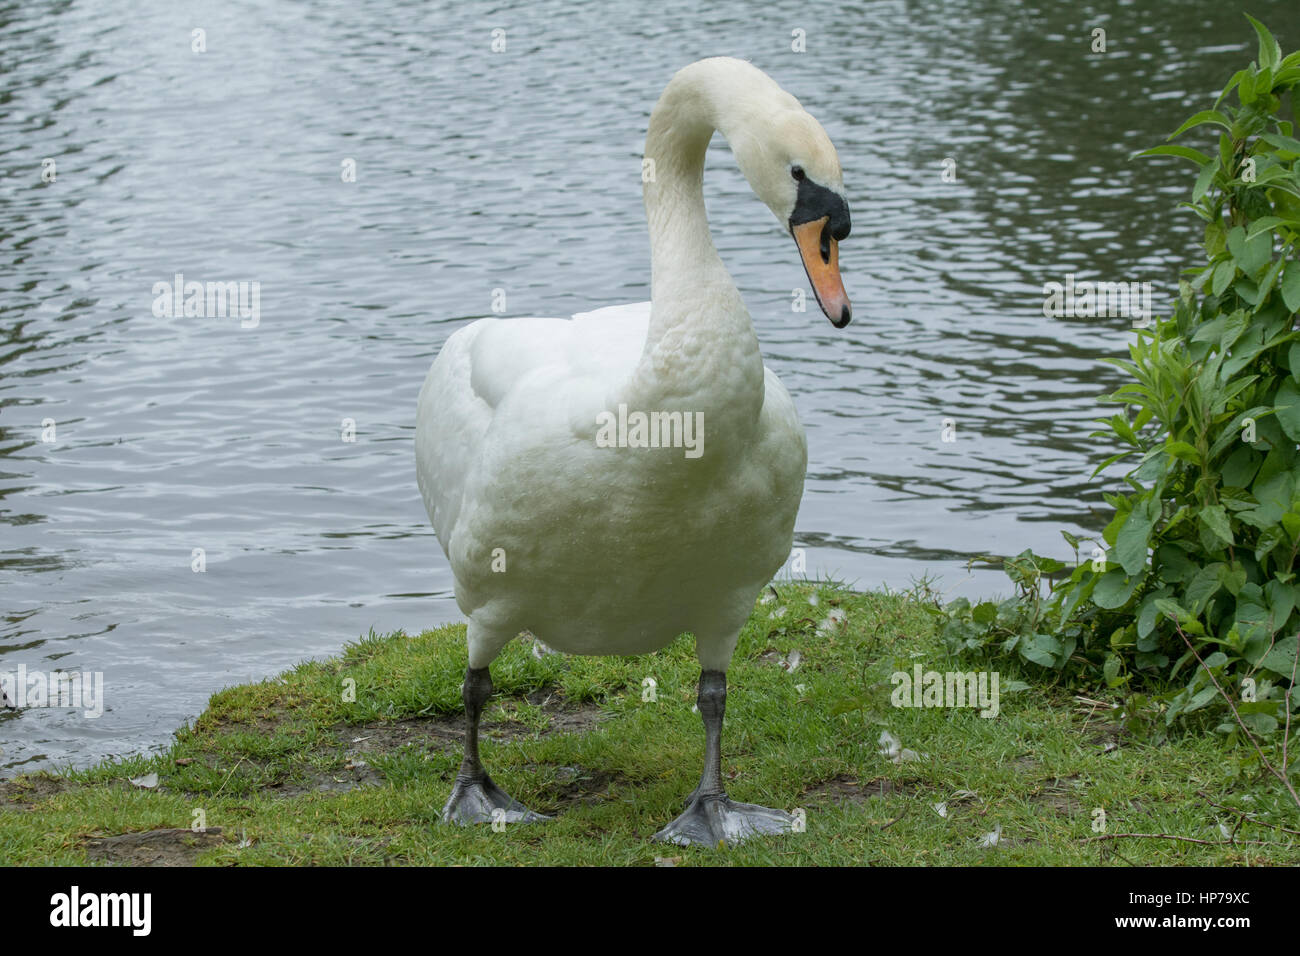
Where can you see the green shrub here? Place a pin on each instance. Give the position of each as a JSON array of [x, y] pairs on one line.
[[1199, 560]]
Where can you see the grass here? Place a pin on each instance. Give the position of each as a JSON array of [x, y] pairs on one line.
[[300, 770]]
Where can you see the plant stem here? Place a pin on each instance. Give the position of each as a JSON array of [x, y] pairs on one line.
[[1236, 716]]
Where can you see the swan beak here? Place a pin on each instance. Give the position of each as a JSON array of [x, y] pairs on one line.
[[821, 260]]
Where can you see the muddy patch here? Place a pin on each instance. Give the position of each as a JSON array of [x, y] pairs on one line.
[[23, 793], [1105, 736], [350, 777], [577, 786], [1060, 795], [429, 734], [577, 719], [563, 715], [359, 745], [843, 789], [170, 847], [344, 761], [446, 733], [787, 662]]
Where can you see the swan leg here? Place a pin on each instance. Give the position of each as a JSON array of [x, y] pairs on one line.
[[474, 797], [711, 817]]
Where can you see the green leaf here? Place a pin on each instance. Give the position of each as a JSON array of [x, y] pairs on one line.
[[1214, 522], [1047, 565], [1113, 589], [1269, 538], [1131, 543], [1041, 649], [1201, 699], [1260, 723], [1171, 608], [1147, 611], [1241, 464], [1110, 669], [1234, 580], [1246, 88], [1216, 238], [1282, 600], [1265, 224], [1185, 152], [1250, 254], [1203, 586], [1183, 451], [1287, 144], [1266, 284], [1281, 657], [1203, 181], [1223, 275], [1291, 287], [1259, 252], [1232, 83], [1288, 408], [1249, 292], [1270, 54], [1201, 118], [1269, 174]]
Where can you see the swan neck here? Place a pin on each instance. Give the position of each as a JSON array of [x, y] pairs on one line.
[[700, 349], [681, 247]]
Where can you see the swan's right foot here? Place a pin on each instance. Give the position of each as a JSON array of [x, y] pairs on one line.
[[482, 801]]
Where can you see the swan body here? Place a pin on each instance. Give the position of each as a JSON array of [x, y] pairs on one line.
[[611, 481], [603, 550]]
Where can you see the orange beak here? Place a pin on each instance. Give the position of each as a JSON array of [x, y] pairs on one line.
[[821, 260]]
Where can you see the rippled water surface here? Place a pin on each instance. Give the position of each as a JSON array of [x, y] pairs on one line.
[[520, 171]]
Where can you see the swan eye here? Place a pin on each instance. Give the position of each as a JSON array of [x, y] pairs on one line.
[[797, 173]]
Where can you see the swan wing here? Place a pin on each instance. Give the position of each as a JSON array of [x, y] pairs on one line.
[[483, 364]]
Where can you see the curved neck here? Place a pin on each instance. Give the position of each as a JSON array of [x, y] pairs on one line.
[[700, 346], [681, 247]]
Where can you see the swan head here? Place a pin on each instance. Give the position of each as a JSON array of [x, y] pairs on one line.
[[791, 165]]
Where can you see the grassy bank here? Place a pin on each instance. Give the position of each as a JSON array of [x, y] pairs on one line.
[[290, 771]]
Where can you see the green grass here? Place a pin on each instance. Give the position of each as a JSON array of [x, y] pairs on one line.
[[274, 764]]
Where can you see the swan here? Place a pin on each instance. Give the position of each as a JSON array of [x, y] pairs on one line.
[[611, 481]]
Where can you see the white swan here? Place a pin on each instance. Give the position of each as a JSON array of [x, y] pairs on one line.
[[677, 526]]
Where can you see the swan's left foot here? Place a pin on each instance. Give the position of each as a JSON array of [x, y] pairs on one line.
[[711, 816], [718, 819], [478, 801]]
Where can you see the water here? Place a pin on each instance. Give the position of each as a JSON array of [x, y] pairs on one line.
[[520, 171]]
